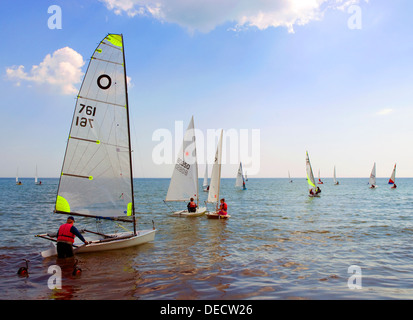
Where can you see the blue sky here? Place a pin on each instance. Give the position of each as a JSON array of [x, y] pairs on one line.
[[293, 70]]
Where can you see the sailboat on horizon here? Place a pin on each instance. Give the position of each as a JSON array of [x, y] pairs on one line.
[[335, 178], [240, 181], [372, 180], [184, 182], [205, 185], [36, 181], [18, 182], [392, 179], [96, 180]]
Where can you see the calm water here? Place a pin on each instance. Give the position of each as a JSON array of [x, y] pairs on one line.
[[279, 244]]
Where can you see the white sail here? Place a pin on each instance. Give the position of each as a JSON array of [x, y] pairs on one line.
[[392, 179], [96, 178], [335, 178], [184, 181], [213, 195], [35, 176], [310, 176], [240, 179], [372, 180], [205, 184]]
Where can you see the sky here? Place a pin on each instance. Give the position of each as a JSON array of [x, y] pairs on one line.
[[333, 77]]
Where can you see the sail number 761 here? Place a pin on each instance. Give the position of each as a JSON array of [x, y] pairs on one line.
[[83, 121]]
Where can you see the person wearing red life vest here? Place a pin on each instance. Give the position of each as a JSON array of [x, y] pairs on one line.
[[223, 208], [192, 205], [66, 237]]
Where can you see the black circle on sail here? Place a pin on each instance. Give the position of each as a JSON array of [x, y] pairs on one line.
[[104, 87]]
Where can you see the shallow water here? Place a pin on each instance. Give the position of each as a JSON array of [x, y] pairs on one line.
[[278, 244]]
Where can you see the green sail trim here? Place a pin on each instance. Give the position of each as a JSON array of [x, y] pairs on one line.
[[309, 182], [62, 205], [129, 212], [115, 39]]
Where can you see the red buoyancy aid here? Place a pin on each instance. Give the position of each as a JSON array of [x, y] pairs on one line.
[[192, 204], [224, 207], [65, 234]]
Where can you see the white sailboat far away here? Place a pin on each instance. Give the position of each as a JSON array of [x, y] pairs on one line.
[[205, 185], [372, 180], [36, 181], [313, 189], [19, 183], [240, 182], [215, 184], [184, 181], [392, 179], [335, 178], [289, 177], [97, 179], [319, 179]]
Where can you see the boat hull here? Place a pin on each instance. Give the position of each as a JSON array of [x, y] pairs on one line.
[[120, 241], [184, 213], [214, 215]]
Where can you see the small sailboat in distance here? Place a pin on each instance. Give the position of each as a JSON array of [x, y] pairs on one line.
[[184, 181], [372, 180], [319, 179], [240, 182], [313, 189], [392, 179], [96, 180], [36, 181], [205, 186], [289, 177], [215, 183], [19, 183], [335, 178]]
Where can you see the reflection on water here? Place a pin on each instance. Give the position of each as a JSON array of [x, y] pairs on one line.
[[279, 244]]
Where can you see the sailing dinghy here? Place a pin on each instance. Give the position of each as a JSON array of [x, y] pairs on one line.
[[319, 179], [19, 183], [36, 181], [96, 179], [240, 181], [184, 181], [205, 186], [372, 180], [392, 179], [335, 178], [313, 190], [215, 183], [289, 177]]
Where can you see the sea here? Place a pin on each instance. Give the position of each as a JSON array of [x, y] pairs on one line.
[[351, 243]]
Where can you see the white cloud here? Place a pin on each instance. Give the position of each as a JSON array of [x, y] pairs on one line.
[[385, 112], [205, 15], [62, 69]]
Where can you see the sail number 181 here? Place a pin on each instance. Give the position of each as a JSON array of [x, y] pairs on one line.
[[83, 121]]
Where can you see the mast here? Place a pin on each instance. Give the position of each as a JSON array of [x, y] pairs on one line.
[[129, 140]]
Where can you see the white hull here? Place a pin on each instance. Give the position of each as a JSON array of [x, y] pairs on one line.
[[143, 236], [214, 215], [184, 213]]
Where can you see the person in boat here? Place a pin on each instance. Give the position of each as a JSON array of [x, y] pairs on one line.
[[66, 237], [223, 208], [317, 190], [394, 186], [243, 185], [372, 186], [192, 205]]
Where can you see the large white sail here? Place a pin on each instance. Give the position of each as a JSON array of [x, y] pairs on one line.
[[392, 179], [96, 178], [240, 179], [184, 181], [309, 170], [213, 195], [372, 180]]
